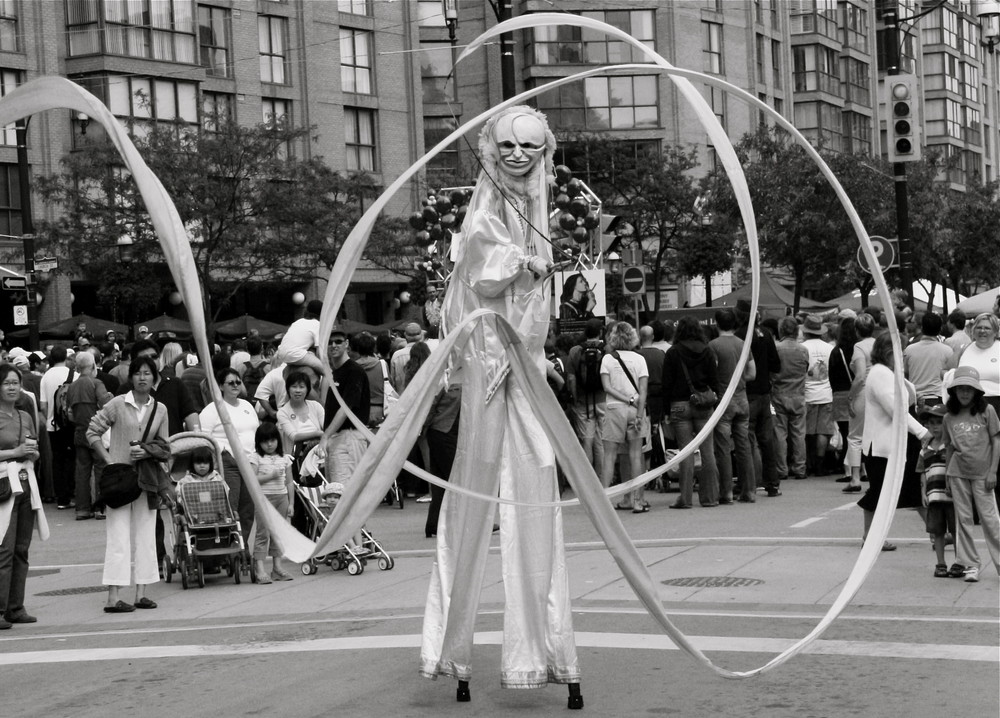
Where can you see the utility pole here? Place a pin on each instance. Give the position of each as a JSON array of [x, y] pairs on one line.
[[27, 231], [892, 54], [504, 11]]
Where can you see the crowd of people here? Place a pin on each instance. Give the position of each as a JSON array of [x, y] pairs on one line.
[[814, 399]]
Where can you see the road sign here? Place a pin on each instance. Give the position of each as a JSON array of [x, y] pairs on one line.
[[634, 280], [14, 284], [885, 254], [20, 315], [46, 264]]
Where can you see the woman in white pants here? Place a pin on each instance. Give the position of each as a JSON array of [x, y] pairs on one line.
[[131, 528]]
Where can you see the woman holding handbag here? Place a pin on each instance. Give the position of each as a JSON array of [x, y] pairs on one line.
[[138, 431], [19, 499]]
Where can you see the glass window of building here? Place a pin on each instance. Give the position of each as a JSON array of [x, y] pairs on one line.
[[628, 155], [155, 29], [142, 101], [359, 139], [8, 25], [567, 44], [216, 110], [446, 165], [272, 35], [430, 13], [9, 79], [855, 27], [356, 61], [436, 61], [712, 49], [717, 101], [815, 69], [858, 79], [776, 64], [275, 112], [602, 103], [760, 44], [355, 7], [214, 40], [10, 200], [857, 133]]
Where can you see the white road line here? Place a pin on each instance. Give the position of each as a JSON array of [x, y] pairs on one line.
[[730, 644], [803, 524], [846, 507]]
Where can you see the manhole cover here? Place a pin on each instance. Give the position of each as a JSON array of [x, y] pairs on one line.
[[73, 591], [713, 582]]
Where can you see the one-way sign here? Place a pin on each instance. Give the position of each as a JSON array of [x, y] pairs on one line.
[[14, 284]]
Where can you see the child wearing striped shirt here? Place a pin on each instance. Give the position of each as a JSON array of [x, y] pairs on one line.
[[940, 513]]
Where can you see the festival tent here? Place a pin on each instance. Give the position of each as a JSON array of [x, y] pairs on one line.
[[242, 326], [166, 326], [979, 303], [852, 299], [66, 328], [773, 300]]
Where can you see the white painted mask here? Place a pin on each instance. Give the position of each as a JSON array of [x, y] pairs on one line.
[[521, 143]]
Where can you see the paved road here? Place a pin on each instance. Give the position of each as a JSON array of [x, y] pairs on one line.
[[752, 579]]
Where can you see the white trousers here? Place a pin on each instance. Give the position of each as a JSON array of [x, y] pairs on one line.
[[131, 528]]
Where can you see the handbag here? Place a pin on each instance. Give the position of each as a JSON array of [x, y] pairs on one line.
[[119, 483], [389, 394], [704, 398], [644, 426]]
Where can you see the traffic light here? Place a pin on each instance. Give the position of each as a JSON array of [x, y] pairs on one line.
[[902, 135]]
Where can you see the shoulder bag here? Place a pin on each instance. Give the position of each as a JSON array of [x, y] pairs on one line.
[[119, 483], [644, 426], [705, 398]]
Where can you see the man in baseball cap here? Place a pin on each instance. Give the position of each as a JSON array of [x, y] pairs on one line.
[[142, 332]]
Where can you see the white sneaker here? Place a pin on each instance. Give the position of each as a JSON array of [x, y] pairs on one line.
[[971, 574], [425, 499]]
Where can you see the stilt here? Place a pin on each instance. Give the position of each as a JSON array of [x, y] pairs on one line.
[[575, 698], [463, 695]]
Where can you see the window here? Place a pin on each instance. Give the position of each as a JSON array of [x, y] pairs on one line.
[[356, 61], [272, 33], [274, 111], [856, 75], [601, 103], [628, 155], [713, 47], [214, 40], [973, 125], [821, 122], [447, 163], [10, 200], [856, 27], [430, 13], [760, 45], [141, 101], [776, 64], [758, 11], [970, 82], [157, 29], [857, 133], [814, 16], [355, 7], [815, 69], [567, 44], [8, 81], [8, 26], [436, 61], [359, 139], [216, 110], [717, 100]]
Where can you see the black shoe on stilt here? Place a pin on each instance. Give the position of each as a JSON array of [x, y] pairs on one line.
[[463, 695], [575, 698]]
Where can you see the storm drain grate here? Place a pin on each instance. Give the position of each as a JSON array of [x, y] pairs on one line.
[[73, 591], [713, 582]]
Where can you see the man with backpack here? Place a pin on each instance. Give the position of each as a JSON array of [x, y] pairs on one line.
[[253, 369], [54, 389], [585, 387]]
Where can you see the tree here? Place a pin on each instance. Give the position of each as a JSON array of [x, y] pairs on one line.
[[656, 193], [254, 210]]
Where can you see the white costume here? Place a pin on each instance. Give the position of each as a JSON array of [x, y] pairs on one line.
[[501, 446]]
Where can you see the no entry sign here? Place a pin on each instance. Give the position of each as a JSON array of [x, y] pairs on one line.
[[634, 280]]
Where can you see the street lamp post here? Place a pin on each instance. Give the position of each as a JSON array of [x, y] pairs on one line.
[[27, 230]]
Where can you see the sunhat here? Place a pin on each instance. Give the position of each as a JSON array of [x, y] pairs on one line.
[[966, 376], [813, 325]]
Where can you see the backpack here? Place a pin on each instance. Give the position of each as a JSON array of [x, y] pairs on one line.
[[252, 376], [562, 394], [62, 412], [588, 371]]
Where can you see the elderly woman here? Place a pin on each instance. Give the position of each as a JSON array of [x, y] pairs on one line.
[[245, 421], [17, 513], [131, 528], [625, 377], [876, 437]]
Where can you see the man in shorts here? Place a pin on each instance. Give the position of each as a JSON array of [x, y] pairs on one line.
[[819, 394]]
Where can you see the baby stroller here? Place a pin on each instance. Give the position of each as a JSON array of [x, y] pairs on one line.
[[207, 529], [318, 497]]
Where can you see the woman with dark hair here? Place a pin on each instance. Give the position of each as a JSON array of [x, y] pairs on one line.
[[244, 420], [688, 366], [577, 299], [131, 529], [841, 379], [419, 353], [17, 513], [876, 437], [300, 419]]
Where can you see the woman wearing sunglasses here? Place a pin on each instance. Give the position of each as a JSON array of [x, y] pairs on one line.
[[245, 421]]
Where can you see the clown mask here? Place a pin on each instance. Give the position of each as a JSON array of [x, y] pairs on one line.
[[521, 142]]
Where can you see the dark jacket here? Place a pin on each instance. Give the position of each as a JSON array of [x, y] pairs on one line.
[[701, 365], [765, 357]]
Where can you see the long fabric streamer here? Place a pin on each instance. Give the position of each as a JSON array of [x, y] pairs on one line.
[[390, 446]]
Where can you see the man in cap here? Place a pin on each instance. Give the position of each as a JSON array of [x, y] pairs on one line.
[[142, 333], [397, 365], [819, 394]]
